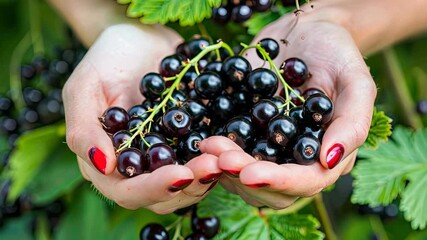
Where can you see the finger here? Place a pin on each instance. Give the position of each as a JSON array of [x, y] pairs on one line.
[[216, 145], [352, 116], [85, 135], [291, 179], [231, 162], [162, 185], [206, 171]]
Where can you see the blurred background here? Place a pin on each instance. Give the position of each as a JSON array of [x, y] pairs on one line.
[[38, 52]]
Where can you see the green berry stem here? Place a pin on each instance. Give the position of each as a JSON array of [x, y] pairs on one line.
[[324, 217], [266, 57], [35, 27], [168, 92]]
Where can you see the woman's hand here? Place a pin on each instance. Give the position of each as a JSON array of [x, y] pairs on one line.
[[109, 75], [338, 69]]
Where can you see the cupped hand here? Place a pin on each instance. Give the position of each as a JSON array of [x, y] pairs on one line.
[[108, 76], [338, 69]]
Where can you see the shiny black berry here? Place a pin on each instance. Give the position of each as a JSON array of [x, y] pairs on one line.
[[262, 5], [196, 236], [188, 147], [306, 150], [138, 110], [262, 83], [208, 85], [294, 71], [195, 46], [170, 65], [114, 119], [318, 109], [270, 46], [207, 226], [221, 14], [422, 107], [159, 155], [221, 109], [196, 109], [263, 112], [120, 137], [152, 85], [282, 130], [240, 131], [176, 122], [235, 69], [135, 122], [263, 150], [241, 13], [150, 139], [131, 162], [153, 231]]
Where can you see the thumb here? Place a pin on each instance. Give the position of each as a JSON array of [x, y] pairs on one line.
[[84, 133], [352, 117]]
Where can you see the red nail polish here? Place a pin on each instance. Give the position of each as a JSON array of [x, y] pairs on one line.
[[335, 154], [232, 173], [98, 159], [210, 178], [180, 184], [258, 185]]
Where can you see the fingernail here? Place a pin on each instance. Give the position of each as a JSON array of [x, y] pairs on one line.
[[232, 173], [179, 185], [258, 185], [210, 178], [98, 159], [335, 154]]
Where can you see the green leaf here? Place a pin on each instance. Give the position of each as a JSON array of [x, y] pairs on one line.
[[58, 175], [259, 20], [85, 218], [380, 129], [395, 168], [186, 12], [242, 221], [32, 150]]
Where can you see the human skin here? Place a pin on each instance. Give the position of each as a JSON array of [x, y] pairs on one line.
[[330, 38]]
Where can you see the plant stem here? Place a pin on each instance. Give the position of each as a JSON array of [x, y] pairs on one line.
[[378, 227], [14, 70], [35, 27], [324, 217], [403, 95]]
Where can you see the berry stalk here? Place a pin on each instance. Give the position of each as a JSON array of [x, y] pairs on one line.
[[177, 79], [286, 86]]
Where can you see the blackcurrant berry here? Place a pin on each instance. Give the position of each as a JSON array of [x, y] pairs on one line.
[[263, 112], [50, 110], [134, 122], [265, 151], [208, 85], [158, 155], [221, 109], [422, 107], [120, 137], [170, 66], [153, 231], [131, 162], [150, 139], [270, 46], [310, 91], [28, 72], [138, 110], [318, 109], [262, 83], [178, 98], [188, 148], [152, 85], [241, 13], [196, 109], [195, 46], [262, 5], [114, 119], [239, 130], [306, 150], [32, 96], [176, 122], [282, 130], [214, 66], [280, 103], [221, 15], [6, 104], [235, 69], [207, 226], [294, 71]]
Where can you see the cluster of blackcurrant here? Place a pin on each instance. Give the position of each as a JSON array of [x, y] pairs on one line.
[[239, 11], [196, 94], [202, 228], [41, 79]]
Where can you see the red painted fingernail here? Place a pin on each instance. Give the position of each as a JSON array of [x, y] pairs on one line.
[[335, 154], [232, 173], [98, 159], [179, 185], [210, 178], [258, 185]]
